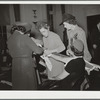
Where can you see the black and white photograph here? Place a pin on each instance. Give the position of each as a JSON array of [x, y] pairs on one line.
[[49, 47]]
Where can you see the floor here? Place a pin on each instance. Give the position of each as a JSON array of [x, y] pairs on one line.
[[5, 80], [94, 81]]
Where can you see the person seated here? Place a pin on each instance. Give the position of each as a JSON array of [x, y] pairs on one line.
[[75, 66]]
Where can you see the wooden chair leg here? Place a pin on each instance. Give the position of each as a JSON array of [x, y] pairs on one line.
[[39, 81]]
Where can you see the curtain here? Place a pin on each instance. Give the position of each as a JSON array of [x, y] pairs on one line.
[[7, 16], [4, 14], [11, 14], [57, 19]]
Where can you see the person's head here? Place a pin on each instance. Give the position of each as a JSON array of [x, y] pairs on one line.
[[23, 27], [69, 21], [78, 48], [43, 28]]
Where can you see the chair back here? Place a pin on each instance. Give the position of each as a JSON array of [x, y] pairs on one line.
[[72, 82]]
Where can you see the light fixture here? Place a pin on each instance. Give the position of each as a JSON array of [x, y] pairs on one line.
[[35, 17]]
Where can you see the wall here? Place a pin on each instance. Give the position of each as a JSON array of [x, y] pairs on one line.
[[57, 19], [26, 13], [12, 20], [93, 10], [81, 12]]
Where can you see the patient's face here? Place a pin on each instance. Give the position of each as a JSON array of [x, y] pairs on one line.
[[44, 32]]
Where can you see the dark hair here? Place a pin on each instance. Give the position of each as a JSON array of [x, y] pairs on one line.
[[19, 28], [41, 24], [13, 29], [72, 21], [69, 18], [22, 29]]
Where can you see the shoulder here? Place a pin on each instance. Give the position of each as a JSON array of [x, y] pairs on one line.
[[54, 35], [80, 29], [75, 65], [80, 32], [26, 37], [77, 61], [16, 34]]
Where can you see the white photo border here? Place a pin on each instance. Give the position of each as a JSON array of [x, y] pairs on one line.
[[50, 94]]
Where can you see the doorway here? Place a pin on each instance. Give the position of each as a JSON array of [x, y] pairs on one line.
[[94, 37], [92, 21]]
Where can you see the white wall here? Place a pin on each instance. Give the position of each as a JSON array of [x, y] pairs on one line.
[[81, 12], [57, 19], [26, 11], [12, 20], [26, 14], [92, 10]]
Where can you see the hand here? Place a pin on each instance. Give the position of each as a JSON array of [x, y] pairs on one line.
[[39, 45], [68, 47], [96, 69], [69, 52], [47, 52], [94, 46]]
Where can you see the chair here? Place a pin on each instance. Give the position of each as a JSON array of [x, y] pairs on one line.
[[81, 83], [72, 82]]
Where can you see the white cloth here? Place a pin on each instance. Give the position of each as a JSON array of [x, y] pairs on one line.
[[47, 61]]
